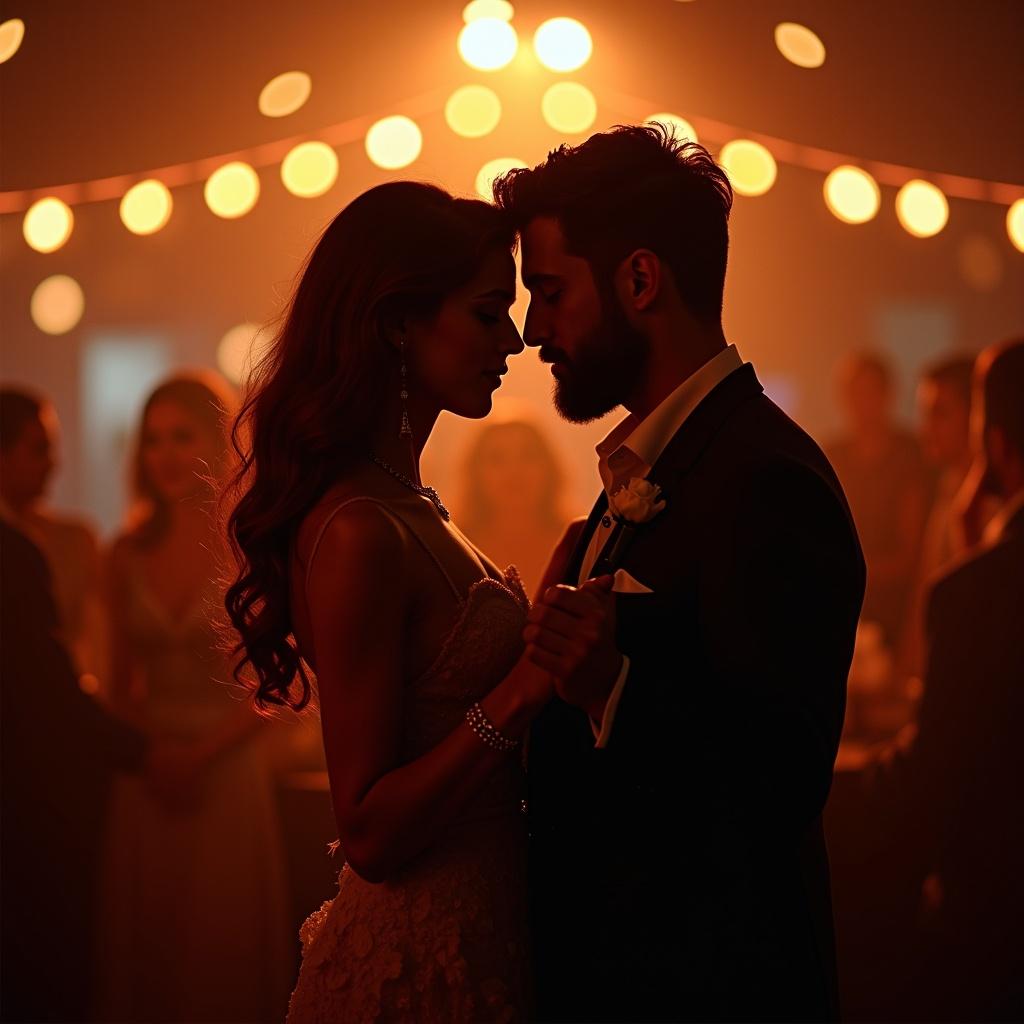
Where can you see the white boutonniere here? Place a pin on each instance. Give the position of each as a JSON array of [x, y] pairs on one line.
[[637, 503], [632, 506]]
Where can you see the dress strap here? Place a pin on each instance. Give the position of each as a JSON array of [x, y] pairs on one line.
[[392, 514]]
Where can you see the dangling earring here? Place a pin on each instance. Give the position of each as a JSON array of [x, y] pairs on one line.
[[406, 430]]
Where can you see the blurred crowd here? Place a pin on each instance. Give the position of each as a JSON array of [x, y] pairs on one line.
[[146, 807]]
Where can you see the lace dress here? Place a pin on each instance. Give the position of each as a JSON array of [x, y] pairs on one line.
[[445, 939]]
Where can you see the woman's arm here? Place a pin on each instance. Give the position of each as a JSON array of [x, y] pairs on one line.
[[388, 812]]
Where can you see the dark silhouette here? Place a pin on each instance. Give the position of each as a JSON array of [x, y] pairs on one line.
[[953, 799], [679, 872], [60, 750]]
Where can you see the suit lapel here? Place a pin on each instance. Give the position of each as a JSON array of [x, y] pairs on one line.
[[572, 571], [689, 442]]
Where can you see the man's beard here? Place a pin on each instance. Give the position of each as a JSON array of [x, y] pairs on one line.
[[605, 368]]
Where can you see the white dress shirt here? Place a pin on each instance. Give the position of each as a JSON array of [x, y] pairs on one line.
[[629, 452]]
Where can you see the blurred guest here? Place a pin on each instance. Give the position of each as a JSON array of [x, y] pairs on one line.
[[59, 750], [882, 472], [29, 433], [959, 785], [195, 911], [944, 411], [513, 503]]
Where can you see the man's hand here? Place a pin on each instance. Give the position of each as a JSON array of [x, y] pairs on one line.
[[571, 634]]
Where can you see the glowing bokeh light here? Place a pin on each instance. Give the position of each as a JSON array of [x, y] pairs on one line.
[[980, 263], [241, 349], [569, 107], [12, 32], [146, 207], [1015, 224], [394, 142], [232, 190], [852, 194], [799, 45], [500, 9], [751, 168], [285, 94], [563, 44], [310, 169], [57, 304], [473, 111], [494, 169], [921, 208], [683, 128], [488, 44], [48, 224]]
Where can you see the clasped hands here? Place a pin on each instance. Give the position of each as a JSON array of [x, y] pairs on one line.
[[571, 635]]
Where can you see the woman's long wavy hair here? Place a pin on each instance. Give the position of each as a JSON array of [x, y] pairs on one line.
[[314, 399]]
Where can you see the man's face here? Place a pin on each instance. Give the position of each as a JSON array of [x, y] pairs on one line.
[[27, 464], [944, 420], [596, 355]]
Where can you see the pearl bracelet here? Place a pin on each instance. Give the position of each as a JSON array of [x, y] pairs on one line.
[[486, 731]]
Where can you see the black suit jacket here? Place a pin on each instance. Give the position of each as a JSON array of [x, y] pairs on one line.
[[957, 791], [680, 873], [59, 748]]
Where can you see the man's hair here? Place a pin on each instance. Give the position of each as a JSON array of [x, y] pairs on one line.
[[634, 187], [1003, 384], [955, 373], [18, 408]]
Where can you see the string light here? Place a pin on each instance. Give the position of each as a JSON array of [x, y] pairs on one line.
[[285, 94], [852, 195], [921, 208], [569, 107], [57, 304], [488, 44], [48, 224], [563, 44], [799, 45], [751, 167], [146, 207], [394, 142]]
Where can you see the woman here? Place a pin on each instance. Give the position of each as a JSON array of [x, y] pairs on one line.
[[349, 565], [195, 910], [513, 500]]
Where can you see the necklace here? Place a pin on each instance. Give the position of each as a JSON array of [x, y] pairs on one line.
[[426, 492]]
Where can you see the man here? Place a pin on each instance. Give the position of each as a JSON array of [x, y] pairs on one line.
[[957, 789], [678, 869], [29, 435], [59, 749]]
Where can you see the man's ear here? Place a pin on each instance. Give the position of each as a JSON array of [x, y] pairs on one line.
[[638, 280]]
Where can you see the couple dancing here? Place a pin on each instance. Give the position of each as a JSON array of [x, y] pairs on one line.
[[606, 805]]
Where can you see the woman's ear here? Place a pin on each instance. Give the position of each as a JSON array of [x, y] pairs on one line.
[[393, 328]]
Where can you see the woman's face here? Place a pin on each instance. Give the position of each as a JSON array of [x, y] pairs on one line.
[[178, 451], [512, 471], [458, 358]]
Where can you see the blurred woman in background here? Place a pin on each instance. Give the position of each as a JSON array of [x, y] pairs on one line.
[[195, 910], [513, 504]]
